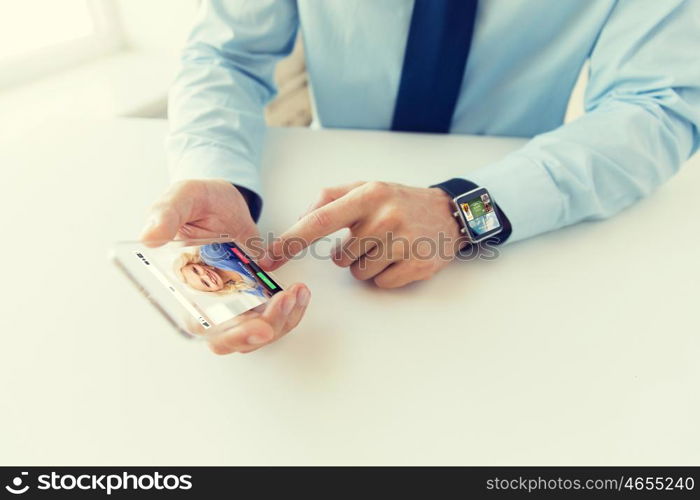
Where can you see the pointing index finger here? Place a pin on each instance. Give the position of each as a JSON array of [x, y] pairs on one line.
[[336, 215]]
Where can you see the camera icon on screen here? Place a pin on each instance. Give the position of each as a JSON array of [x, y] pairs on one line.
[[16, 487]]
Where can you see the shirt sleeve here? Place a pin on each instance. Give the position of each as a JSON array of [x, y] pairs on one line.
[[216, 103], [641, 123]]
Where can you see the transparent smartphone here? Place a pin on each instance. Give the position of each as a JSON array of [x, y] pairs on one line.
[[200, 286]]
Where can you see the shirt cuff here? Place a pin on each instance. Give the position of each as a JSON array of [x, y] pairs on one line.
[[524, 190], [253, 200], [214, 162]]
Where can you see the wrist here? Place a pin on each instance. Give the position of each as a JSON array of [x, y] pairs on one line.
[[451, 227]]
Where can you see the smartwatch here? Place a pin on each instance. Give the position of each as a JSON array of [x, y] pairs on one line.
[[476, 212]]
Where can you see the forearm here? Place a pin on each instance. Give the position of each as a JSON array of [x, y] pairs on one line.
[[642, 122], [216, 103], [591, 168]]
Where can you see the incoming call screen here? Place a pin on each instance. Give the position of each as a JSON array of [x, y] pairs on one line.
[[480, 214]]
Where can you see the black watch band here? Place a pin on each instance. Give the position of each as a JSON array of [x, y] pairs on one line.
[[455, 187]]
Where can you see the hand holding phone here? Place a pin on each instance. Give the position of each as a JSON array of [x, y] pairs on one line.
[[212, 290], [200, 208], [256, 329], [208, 208]]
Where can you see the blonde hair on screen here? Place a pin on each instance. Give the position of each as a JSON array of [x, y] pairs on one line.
[[187, 258]]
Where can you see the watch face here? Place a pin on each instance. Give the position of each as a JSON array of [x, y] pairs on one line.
[[479, 213]]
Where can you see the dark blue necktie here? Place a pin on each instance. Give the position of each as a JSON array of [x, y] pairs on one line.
[[436, 54]]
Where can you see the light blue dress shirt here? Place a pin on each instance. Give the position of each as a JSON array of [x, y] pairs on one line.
[[642, 100]]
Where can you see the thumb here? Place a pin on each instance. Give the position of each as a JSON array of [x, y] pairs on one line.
[[164, 221]]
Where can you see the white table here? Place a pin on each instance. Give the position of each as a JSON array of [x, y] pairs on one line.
[[595, 359]]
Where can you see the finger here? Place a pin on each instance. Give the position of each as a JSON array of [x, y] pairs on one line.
[[282, 314], [194, 327], [370, 264], [361, 241], [163, 225], [236, 338], [280, 319], [402, 273], [379, 258], [336, 215], [250, 334], [303, 299], [275, 314], [166, 218], [330, 194], [280, 307]]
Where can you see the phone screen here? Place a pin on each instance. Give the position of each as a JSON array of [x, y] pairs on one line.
[[213, 282]]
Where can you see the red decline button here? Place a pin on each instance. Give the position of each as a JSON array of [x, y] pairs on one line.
[[240, 255]]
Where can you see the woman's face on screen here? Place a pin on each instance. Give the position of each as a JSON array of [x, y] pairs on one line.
[[202, 277]]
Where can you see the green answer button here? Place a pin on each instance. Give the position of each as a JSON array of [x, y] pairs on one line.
[[267, 281]]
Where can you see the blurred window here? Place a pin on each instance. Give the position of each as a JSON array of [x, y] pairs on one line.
[[40, 36]]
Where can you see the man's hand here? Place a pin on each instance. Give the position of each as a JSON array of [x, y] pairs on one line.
[[199, 209], [398, 234], [195, 209], [254, 330]]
